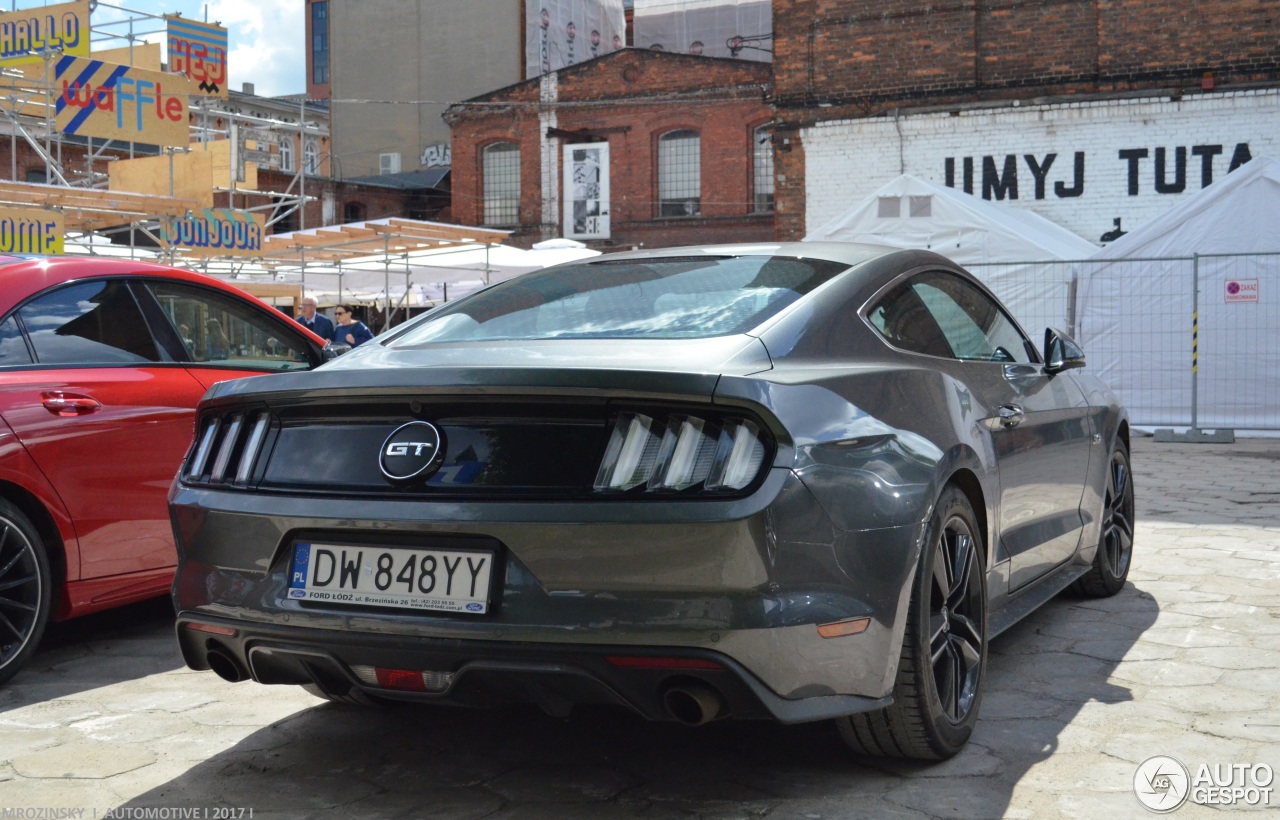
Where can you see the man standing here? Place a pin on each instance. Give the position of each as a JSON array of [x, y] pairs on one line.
[[317, 323]]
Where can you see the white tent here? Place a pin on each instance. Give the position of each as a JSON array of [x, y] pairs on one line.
[[993, 241], [417, 278], [1137, 299]]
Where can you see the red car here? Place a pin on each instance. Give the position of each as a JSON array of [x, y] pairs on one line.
[[102, 362]]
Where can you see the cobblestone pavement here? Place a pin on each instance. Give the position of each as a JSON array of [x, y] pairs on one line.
[[1184, 662]]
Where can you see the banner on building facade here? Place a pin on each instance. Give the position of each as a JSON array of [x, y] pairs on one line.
[[561, 33], [24, 34], [198, 51], [216, 232], [586, 190], [99, 99], [31, 231], [742, 29]]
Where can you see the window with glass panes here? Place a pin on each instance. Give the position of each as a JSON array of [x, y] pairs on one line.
[[762, 171], [680, 174], [320, 43], [500, 164]]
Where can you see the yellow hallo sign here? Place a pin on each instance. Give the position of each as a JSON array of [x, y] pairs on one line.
[[28, 231], [24, 34]]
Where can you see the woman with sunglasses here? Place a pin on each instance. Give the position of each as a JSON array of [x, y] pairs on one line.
[[350, 330]]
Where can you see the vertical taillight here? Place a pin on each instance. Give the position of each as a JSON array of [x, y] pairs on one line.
[[228, 448], [251, 447], [738, 458], [680, 452], [205, 446], [629, 458]]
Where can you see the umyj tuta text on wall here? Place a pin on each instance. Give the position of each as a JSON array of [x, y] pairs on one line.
[[1081, 165]]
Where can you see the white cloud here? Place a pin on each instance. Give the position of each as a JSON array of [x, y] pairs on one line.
[[268, 44]]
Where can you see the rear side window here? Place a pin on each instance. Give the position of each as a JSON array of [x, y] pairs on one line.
[[218, 330], [943, 315], [89, 323], [13, 348]]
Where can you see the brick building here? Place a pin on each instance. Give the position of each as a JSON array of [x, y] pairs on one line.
[[1085, 111], [633, 148]]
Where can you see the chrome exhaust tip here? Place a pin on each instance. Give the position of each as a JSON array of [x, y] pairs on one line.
[[693, 703]]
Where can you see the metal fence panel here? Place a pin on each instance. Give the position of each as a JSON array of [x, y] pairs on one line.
[[1183, 341]]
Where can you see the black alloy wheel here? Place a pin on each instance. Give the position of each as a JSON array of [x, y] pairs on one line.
[[957, 608], [1115, 539], [25, 590], [938, 689]]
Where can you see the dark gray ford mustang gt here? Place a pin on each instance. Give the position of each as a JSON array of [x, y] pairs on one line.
[[785, 482]]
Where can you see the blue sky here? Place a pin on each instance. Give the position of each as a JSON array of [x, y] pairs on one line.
[[267, 37]]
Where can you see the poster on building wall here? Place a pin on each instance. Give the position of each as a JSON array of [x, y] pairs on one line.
[[24, 34], [561, 33], [118, 102], [742, 29], [586, 190], [198, 51], [216, 232], [25, 230]]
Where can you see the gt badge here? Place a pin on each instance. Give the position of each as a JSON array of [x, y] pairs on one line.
[[412, 453]]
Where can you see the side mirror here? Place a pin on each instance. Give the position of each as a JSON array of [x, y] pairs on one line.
[[1060, 353], [332, 351]]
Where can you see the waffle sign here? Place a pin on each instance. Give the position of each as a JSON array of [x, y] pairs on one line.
[[109, 101]]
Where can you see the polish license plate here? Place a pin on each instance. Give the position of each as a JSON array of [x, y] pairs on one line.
[[440, 580]]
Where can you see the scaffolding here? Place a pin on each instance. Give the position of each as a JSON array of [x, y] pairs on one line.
[[28, 113]]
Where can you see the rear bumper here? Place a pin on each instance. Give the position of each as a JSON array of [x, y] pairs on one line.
[[744, 581], [490, 673]]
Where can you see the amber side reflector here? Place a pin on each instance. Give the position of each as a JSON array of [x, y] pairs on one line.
[[853, 626], [212, 629], [643, 662]]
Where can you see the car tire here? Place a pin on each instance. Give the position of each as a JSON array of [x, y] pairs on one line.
[[1115, 540], [942, 666], [26, 590]]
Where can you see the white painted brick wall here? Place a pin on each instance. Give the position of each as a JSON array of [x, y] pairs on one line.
[[847, 160]]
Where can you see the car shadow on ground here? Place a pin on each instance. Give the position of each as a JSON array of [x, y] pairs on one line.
[[95, 651], [1045, 680]]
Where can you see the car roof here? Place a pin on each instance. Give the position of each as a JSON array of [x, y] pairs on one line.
[[23, 276], [850, 253]]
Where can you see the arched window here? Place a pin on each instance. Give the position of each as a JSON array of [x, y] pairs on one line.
[[500, 165], [680, 173], [286, 154], [761, 171], [311, 157]]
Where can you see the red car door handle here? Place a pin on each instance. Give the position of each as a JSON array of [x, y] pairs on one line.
[[68, 404]]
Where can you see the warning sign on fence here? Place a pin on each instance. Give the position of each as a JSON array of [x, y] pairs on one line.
[[1242, 290]]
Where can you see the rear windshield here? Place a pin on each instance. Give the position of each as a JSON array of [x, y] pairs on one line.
[[669, 298]]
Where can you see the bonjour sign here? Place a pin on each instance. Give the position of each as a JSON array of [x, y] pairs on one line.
[[217, 232]]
